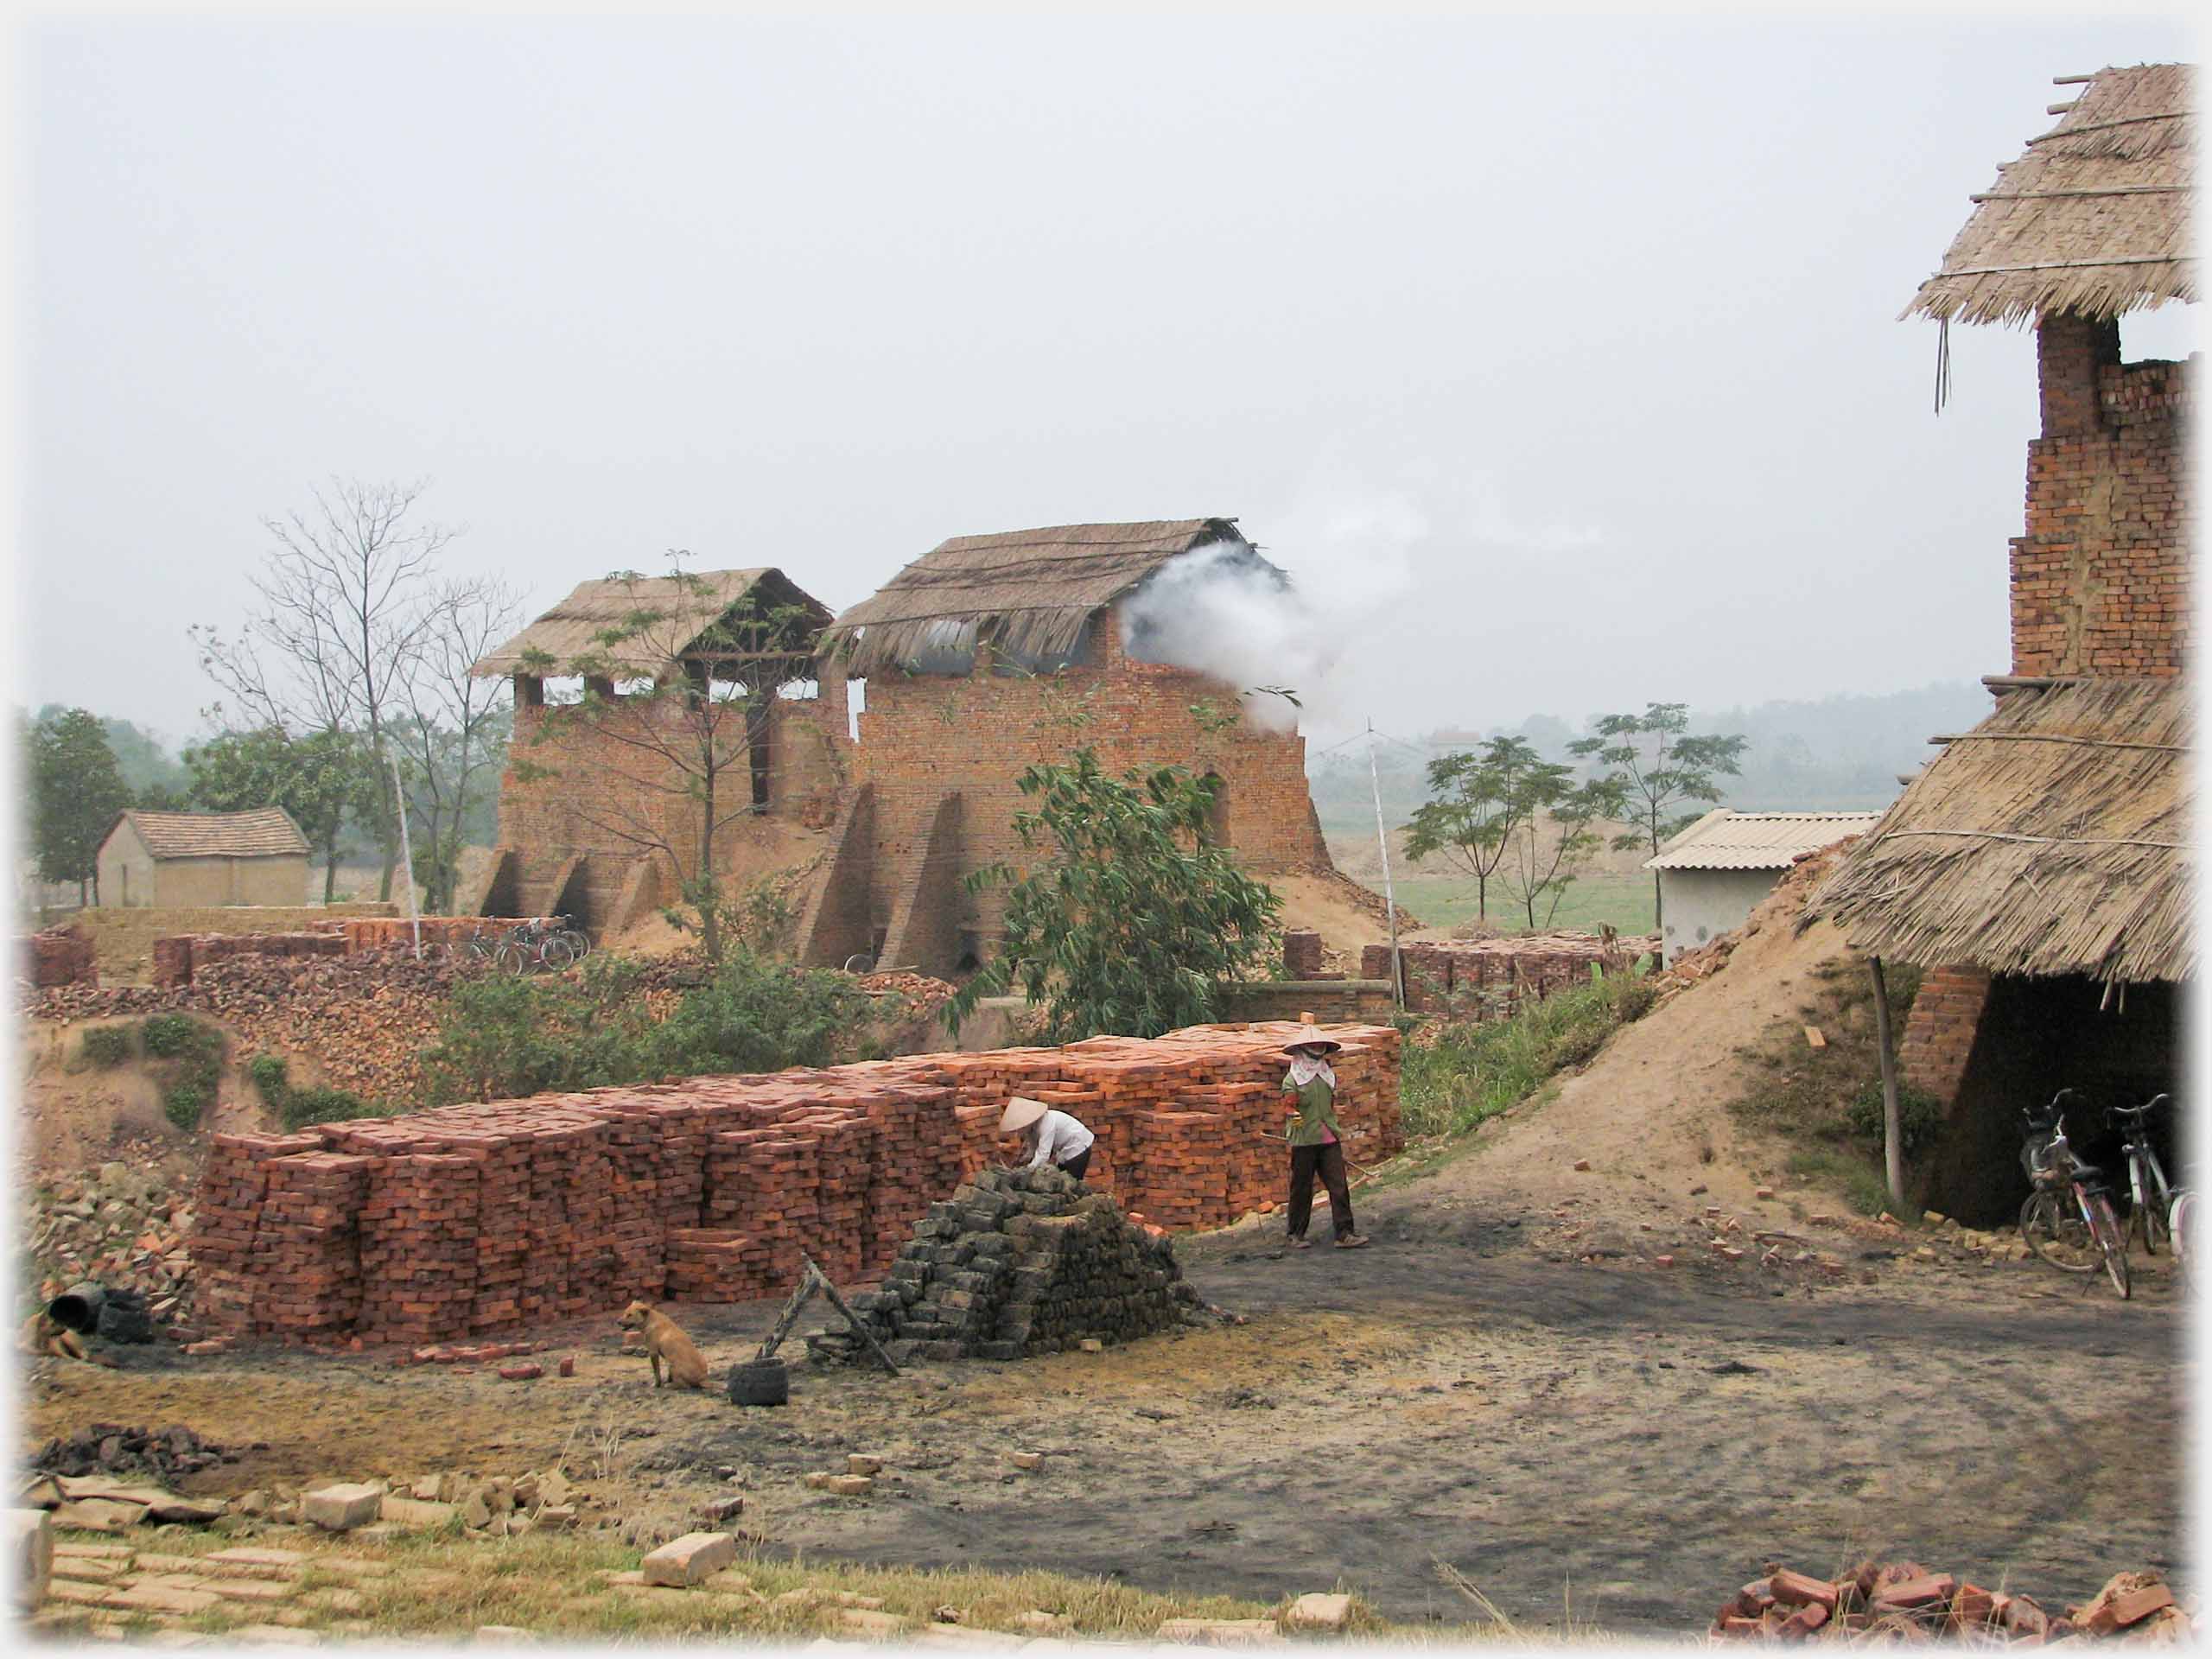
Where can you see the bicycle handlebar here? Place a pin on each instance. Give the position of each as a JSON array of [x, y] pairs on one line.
[[2144, 1109]]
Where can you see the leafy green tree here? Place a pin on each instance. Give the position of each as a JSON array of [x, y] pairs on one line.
[[1133, 923], [76, 789], [1479, 798], [1656, 765], [1551, 849], [152, 773], [320, 779]]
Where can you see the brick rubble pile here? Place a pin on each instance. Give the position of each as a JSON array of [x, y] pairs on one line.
[[1904, 1601], [120, 1229], [113, 1449], [1018, 1262], [469, 1220], [1488, 979]]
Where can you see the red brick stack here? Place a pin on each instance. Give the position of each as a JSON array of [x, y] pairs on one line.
[[1302, 954], [1484, 978], [60, 956], [474, 1219]]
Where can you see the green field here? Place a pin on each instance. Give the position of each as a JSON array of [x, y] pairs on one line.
[[1444, 901]]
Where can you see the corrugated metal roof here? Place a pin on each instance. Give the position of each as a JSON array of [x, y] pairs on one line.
[[266, 832], [1724, 840]]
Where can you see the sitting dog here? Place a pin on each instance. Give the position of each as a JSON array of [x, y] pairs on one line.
[[44, 1334], [687, 1366]]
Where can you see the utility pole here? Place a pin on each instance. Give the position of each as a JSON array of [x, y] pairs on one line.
[[406, 851], [1389, 899]]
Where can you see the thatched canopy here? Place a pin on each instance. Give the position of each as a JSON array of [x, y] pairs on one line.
[[1026, 592], [682, 612], [2051, 839], [2092, 219]]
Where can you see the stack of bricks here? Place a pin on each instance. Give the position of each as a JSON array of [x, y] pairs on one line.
[[386, 933], [1015, 1263], [485, 1218], [1488, 979], [59, 955], [1302, 954]]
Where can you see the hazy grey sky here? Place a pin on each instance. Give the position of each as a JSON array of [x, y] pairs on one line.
[[1560, 360]]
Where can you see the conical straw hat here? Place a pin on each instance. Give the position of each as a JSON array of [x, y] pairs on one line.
[[1020, 1114]]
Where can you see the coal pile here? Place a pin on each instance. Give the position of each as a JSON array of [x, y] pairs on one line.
[[1020, 1263], [112, 1449]]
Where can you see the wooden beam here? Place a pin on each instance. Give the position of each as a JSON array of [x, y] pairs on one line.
[[2102, 126], [2058, 109], [2071, 81], [2110, 190], [1892, 1121], [2032, 682]]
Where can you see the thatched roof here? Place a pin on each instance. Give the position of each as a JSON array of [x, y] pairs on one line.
[[264, 832], [1727, 840], [1027, 591], [685, 608], [2053, 838], [2092, 219]]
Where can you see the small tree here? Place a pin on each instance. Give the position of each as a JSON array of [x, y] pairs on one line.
[[1656, 765], [1554, 846], [76, 789], [1133, 923], [319, 780], [452, 728], [1481, 798], [673, 755]]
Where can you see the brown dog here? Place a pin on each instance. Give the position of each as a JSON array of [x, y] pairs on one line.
[[687, 1366], [44, 1334]]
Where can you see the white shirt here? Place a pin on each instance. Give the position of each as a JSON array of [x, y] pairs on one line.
[[1059, 1138]]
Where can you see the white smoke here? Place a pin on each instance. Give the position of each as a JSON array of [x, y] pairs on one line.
[[1221, 612]]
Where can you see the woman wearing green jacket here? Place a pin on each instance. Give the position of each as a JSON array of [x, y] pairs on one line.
[[1310, 1090]]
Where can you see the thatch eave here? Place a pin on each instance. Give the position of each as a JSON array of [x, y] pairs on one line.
[[572, 636]]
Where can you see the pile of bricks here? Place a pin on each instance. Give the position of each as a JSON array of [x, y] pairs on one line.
[[176, 958], [1014, 1263], [470, 1220], [1904, 1601], [1302, 954], [59, 955], [1490, 979]]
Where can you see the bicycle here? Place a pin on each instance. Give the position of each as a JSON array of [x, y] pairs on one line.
[[542, 941], [2076, 1237], [2149, 1192]]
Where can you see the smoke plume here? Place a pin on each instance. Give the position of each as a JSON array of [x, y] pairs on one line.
[[1220, 610]]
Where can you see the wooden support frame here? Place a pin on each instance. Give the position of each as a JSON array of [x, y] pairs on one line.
[[813, 1281]]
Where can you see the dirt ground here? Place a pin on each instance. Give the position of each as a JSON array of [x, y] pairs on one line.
[[1638, 1440]]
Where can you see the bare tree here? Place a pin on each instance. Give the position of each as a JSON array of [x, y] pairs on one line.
[[450, 726], [674, 716], [345, 599]]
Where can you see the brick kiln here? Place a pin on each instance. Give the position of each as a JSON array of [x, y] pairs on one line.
[[473, 1219], [1016, 1263]]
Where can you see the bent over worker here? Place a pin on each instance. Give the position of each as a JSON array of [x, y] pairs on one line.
[[1315, 1143], [1049, 1137]]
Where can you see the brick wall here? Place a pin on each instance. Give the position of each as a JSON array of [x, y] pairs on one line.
[[2099, 581], [1939, 1032], [475, 1219], [1364, 1001]]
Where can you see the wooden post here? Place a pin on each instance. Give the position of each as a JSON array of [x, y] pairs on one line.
[[1892, 1127], [1389, 898]]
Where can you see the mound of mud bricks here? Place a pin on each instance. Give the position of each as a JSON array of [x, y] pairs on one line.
[[472, 1219], [1490, 979], [59, 955], [1015, 1263]]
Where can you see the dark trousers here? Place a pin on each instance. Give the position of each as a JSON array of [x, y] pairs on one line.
[[1330, 1160], [1078, 1164]]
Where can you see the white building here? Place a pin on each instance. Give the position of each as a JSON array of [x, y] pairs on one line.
[[1713, 874]]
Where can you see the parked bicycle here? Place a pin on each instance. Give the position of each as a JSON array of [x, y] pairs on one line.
[[2152, 1198], [2068, 1220], [547, 941]]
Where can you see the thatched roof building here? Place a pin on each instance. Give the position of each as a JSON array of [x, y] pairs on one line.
[[665, 619], [2093, 220], [2051, 839], [1028, 594]]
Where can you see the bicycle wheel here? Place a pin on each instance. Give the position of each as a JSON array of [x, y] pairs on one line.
[[579, 943], [512, 958], [2056, 1235], [2157, 1209], [557, 952], [2112, 1243]]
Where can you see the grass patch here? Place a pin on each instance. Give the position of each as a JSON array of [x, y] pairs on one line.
[[1471, 1072], [440, 1585], [297, 1108], [1444, 901], [186, 1058], [1826, 1102], [109, 1046]]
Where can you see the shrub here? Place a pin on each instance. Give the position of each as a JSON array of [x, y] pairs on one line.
[[297, 1108], [179, 1036], [270, 1076], [106, 1047], [183, 1104], [1471, 1072], [1920, 1116]]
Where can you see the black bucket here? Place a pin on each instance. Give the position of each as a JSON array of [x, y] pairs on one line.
[[759, 1382], [79, 1307]]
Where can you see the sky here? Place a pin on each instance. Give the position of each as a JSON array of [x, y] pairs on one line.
[[1559, 363]]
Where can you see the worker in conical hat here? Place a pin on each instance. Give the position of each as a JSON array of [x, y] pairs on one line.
[[1048, 1136], [1316, 1138]]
